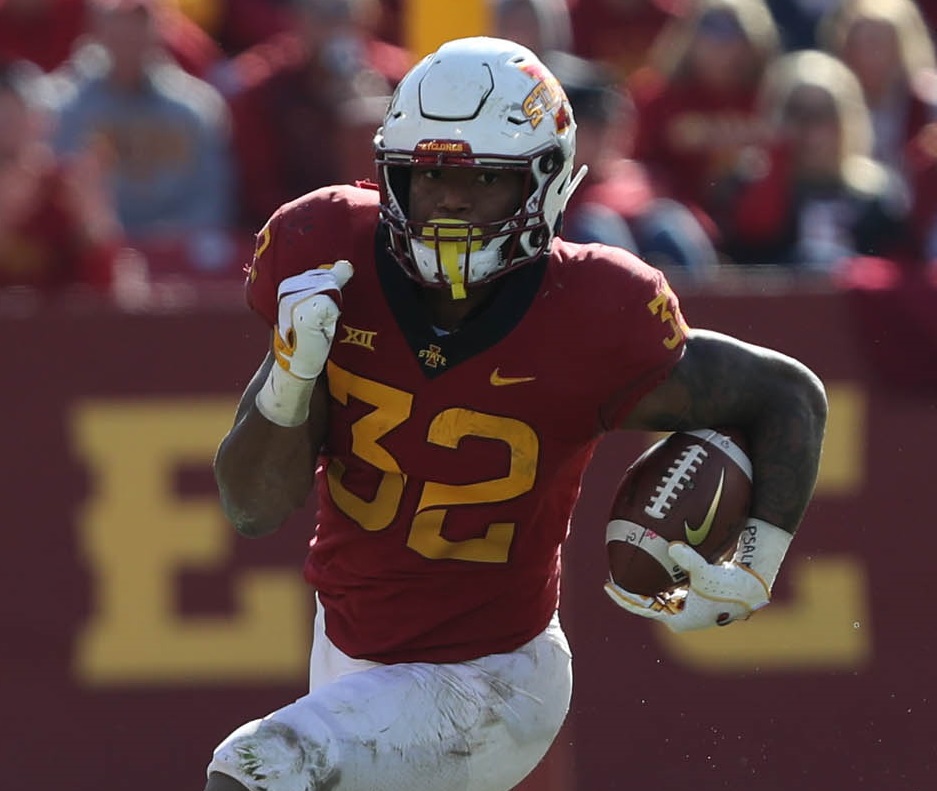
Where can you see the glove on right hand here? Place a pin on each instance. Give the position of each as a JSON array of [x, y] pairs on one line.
[[309, 305]]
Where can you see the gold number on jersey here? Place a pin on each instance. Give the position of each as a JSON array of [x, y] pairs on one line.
[[660, 306], [446, 430], [391, 408]]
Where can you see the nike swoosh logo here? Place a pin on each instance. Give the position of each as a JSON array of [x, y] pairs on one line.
[[498, 381], [697, 535]]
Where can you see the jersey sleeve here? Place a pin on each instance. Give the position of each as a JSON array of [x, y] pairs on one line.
[[321, 227], [263, 276], [652, 337]]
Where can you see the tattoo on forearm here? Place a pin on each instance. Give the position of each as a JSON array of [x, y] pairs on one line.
[[776, 402]]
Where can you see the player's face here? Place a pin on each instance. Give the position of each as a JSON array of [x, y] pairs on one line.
[[472, 195]]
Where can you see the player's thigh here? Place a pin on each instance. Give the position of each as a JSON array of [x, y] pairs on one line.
[[473, 726]]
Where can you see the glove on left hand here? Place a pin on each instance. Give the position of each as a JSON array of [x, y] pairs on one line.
[[718, 594]]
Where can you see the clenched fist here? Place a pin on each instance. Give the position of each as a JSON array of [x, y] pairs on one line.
[[309, 307], [308, 310]]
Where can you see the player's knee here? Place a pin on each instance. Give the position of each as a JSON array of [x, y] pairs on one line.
[[220, 782], [273, 756]]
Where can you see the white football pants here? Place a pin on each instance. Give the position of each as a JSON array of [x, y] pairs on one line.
[[481, 725]]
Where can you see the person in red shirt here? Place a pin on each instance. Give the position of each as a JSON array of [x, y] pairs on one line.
[[696, 100], [40, 31], [442, 364], [620, 33], [288, 95], [58, 229]]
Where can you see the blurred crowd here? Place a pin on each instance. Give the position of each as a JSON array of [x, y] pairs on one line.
[[145, 142]]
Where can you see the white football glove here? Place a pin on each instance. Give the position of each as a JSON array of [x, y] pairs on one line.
[[307, 313], [717, 593], [308, 309]]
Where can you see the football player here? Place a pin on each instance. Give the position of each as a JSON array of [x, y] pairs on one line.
[[441, 367]]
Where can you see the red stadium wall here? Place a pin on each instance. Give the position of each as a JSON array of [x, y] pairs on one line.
[[138, 629]]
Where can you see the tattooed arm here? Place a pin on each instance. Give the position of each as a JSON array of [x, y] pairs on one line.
[[775, 400], [780, 405]]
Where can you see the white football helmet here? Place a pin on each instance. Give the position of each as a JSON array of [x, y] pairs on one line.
[[482, 102]]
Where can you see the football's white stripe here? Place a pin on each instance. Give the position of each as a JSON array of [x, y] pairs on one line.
[[623, 530], [728, 446], [633, 533]]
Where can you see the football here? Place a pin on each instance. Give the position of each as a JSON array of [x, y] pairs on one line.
[[691, 486]]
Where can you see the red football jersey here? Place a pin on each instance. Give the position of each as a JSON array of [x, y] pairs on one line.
[[453, 461]]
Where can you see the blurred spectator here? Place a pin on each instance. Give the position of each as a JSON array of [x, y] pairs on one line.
[[236, 25], [40, 31], [46, 32], [57, 228], [814, 197], [922, 158], [389, 23], [540, 25], [615, 204], [888, 47], [928, 9], [288, 98], [798, 20], [696, 100], [620, 33], [165, 133], [359, 118]]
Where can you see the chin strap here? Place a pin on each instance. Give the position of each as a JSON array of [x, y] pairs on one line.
[[576, 180], [449, 255]]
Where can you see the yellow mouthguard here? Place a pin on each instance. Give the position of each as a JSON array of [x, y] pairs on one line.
[[454, 230]]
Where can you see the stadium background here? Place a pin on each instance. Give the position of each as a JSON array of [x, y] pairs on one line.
[[138, 628]]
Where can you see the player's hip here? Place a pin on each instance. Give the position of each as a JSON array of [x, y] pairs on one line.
[[435, 618], [328, 662]]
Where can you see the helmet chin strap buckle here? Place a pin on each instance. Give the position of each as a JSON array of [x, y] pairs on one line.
[[450, 239]]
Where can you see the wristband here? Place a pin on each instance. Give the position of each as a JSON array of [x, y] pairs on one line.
[[761, 548], [284, 398]]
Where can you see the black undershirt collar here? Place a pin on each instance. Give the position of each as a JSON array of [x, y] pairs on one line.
[[491, 321]]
